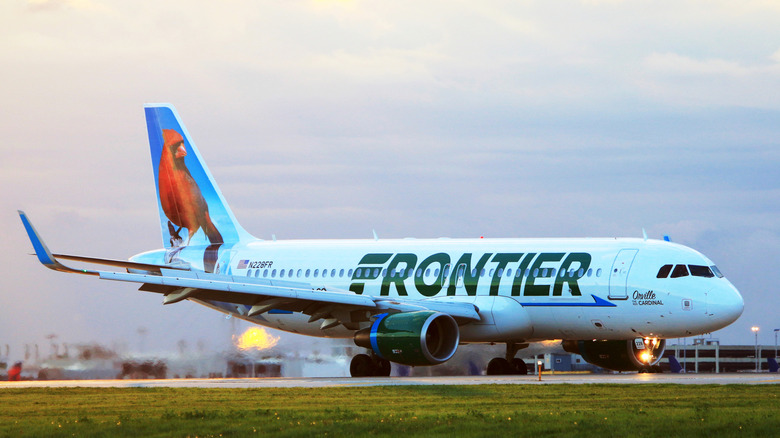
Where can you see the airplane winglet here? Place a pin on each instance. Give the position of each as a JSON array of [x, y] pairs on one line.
[[42, 251]]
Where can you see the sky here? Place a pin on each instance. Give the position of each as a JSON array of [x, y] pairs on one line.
[[329, 119]]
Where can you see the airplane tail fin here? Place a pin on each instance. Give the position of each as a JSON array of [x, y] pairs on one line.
[[674, 365], [192, 208], [773, 367]]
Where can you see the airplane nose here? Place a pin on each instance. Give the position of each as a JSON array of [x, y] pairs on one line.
[[726, 304]]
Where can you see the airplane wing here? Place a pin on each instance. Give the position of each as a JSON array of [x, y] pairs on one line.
[[253, 296]]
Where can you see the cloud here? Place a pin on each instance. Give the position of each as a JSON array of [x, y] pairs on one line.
[[50, 5], [675, 64]]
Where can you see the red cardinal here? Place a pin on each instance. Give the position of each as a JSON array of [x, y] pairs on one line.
[[180, 195]]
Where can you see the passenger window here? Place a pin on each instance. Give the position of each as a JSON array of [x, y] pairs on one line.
[[316, 273], [300, 271], [281, 273], [680, 271], [436, 273], [509, 272], [580, 273], [544, 272], [265, 273], [273, 273], [500, 272], [664, 271], [350, 273], [419, 273], [700, 271], [376, 272], [518, 273], [308, 271], [598, 272], [590, 272], [428, 272], [249, 273]]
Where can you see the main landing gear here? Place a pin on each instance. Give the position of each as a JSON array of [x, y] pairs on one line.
[[363, 365], [510, 365]]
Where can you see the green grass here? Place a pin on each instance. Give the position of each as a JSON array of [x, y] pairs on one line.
[[484, 410]]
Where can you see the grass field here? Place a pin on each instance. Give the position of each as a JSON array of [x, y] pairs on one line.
[[484, 410]]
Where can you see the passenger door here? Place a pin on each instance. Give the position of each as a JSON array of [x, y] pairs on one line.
[[618, 276]]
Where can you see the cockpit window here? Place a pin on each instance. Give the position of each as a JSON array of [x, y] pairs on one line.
[[716, 271], [664, 271], [700, 271], [679, 271]]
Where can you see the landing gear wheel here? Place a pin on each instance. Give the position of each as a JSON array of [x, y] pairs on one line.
[[519, 366], [382, 367], [361, 366], [498, 366]]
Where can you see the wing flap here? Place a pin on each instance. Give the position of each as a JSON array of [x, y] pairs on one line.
[[228, 284]]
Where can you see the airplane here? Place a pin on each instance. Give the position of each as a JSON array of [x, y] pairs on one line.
[[614, 301]]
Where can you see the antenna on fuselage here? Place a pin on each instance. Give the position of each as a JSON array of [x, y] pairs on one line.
[[375, 236], [644, 234]]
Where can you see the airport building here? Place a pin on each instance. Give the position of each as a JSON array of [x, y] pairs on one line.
[[704, 355]]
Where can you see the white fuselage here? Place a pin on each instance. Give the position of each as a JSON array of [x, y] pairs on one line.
[[525, 289]]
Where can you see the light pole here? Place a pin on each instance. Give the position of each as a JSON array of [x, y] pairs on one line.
[[776, 330], [755, 331]]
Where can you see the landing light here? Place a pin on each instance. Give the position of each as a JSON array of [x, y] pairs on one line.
[[645, 356]]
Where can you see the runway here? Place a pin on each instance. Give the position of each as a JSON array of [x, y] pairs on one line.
[[345, 382]]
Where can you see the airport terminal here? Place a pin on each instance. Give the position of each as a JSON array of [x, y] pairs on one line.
[[62, 361]]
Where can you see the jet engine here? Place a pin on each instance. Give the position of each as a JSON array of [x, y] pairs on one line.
[[411, 338], [640, 354]]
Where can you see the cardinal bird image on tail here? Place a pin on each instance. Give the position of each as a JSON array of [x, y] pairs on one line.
[[180, 195], [189, 199]]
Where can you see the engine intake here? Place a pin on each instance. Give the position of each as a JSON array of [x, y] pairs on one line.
[[412, 338], [631, 355]]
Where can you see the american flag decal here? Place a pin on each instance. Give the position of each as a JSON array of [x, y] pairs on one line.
[[242, 264]]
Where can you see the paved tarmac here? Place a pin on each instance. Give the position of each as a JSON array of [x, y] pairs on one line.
[[321, 382]]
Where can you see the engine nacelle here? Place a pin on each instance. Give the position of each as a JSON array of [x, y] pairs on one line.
[[412, 338], [631, 355]]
